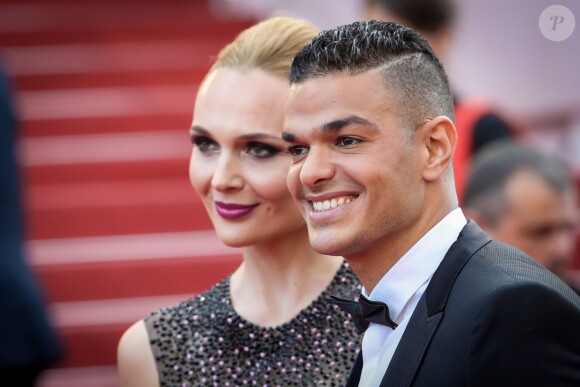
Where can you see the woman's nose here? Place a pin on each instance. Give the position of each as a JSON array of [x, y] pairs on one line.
[[227, 174]]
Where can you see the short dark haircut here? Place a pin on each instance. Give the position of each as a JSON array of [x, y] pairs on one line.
[[413, 75], [495, 165], [424, 15]]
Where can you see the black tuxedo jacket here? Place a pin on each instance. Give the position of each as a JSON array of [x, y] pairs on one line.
[[491, 316]]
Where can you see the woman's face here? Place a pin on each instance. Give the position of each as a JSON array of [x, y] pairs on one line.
[[238, 164]]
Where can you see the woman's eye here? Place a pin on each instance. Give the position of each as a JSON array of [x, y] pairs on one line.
[[261, 150], [204, 144], [347, 141]]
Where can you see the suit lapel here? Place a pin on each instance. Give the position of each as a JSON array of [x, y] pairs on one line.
[[354, 376], [429, 311], [412, 347]]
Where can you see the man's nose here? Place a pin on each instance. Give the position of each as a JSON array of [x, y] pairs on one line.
[[563, 244], [317, 167]]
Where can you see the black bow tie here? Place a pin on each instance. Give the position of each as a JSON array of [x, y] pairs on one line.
[[365, 312]]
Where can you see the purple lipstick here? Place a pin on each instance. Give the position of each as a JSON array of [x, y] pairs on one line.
[[232, 210]]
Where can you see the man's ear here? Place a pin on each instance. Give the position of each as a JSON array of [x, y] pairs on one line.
[[439, 138]]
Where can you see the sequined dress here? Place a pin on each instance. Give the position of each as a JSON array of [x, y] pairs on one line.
[[204, 342]]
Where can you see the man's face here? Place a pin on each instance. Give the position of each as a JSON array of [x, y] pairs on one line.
[[539, 220], [355, 173]]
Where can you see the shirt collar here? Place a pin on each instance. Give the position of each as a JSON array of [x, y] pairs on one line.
[[418, 264]]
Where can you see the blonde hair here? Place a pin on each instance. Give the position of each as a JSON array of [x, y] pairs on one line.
[[269, 46]]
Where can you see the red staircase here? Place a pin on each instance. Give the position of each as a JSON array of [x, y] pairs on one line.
[[105, 91]]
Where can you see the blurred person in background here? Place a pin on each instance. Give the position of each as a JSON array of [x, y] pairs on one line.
[[269, 322], [527, 199], [477, 122], [27, 342], [316, 12]]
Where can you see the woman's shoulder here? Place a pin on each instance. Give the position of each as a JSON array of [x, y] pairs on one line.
[[135, 359], [195, 307]]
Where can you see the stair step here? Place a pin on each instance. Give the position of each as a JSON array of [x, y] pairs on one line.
[[113, 207], [106, 194], [121, 266], [109, 280], [100, 376], [135, 34], [96, 150], [76, 62], [111, 313], [87, 346], [146, 218], [72, 22], [157, 121], [126, 247], [105, 102], [122, 78], [106, 110], [106, 171]]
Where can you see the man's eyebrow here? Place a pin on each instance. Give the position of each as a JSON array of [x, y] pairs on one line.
[[336, 125], [332, 126], [288, 137]]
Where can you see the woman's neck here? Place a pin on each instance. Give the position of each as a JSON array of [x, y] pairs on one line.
[[280, 278]]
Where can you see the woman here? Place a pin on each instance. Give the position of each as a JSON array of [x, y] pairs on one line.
[[269, 323]]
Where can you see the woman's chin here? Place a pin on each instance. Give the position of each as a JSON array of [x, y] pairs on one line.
[[235, 240]]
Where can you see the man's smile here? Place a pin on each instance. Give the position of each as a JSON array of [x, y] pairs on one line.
[[325, 205]]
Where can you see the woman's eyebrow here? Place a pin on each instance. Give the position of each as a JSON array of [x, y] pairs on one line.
[[200, 130], [249, 136], [258, 135]]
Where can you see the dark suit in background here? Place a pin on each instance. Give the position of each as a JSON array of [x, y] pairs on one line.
[[491, 316], [27, 342]]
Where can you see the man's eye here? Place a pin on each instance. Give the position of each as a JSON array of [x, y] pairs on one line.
[[297, 150], [542, 231], [204, 144], [261, 150], [346, 141]]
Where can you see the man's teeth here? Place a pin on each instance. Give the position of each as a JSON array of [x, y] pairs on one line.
[[328, 204]]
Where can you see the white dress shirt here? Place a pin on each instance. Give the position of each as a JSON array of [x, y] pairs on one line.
[[401, 288]]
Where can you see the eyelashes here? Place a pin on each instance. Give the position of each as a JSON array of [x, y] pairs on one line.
[[255, 149], [298, 151], [204, 143], [261, 150]]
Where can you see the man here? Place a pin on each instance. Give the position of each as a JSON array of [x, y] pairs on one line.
[[526, 199], [369, 127], [478, 122]]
